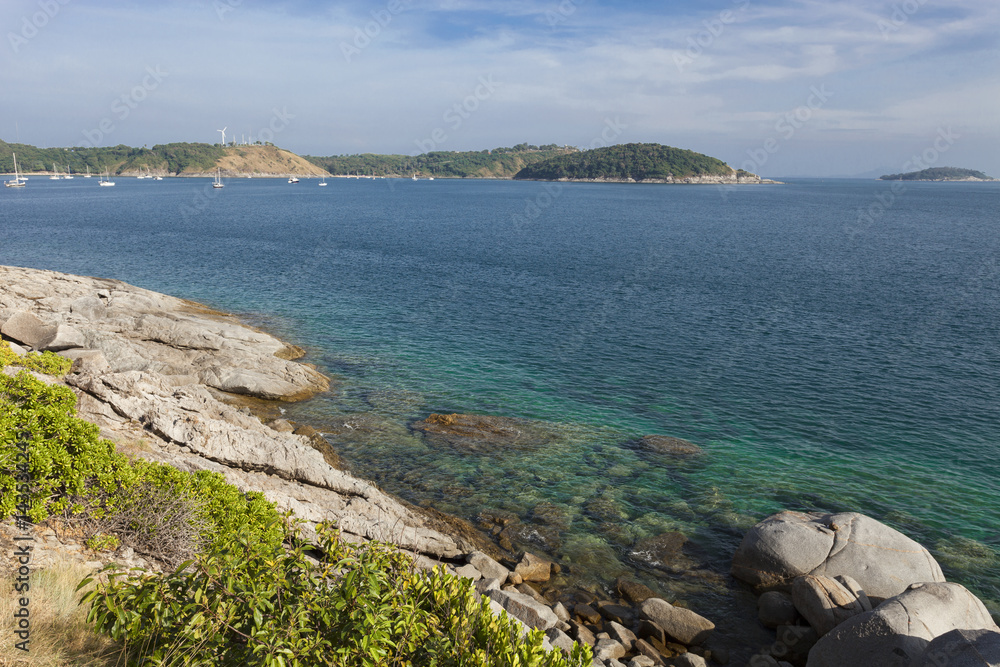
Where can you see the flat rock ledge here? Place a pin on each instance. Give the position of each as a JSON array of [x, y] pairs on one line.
[[148, 369]]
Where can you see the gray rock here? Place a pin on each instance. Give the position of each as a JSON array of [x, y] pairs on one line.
[[790, 544], [26, 328], [89, 308], [16, 349], [689, 660], [587, 613], [582, 633], [64, 337], [489, 567], [469, 572], [641, 661], [561, 612], [531, 593], [644, 648], [962, 648], [524, 608], [898, 631], [533, 568], [825, 602], [775, 608], [90, 362], [483, 586], [559, 639], [684, 625], [608, 649], [621, 634]]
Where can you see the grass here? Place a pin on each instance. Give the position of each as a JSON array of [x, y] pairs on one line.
[[60, 636]]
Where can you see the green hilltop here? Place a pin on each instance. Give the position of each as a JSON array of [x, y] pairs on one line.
[[496, 163], [939, 174], [173, 158], [625, 162]]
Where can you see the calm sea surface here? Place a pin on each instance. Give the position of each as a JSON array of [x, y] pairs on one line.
[[819, 360]]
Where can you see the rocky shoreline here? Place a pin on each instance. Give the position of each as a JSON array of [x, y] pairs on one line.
[[172, 381]]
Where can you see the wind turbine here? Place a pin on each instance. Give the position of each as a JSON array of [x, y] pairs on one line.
[[223, 130]]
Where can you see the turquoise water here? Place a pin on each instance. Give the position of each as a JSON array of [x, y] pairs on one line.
[[820, 362]]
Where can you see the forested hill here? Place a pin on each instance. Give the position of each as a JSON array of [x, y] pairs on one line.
[[496, 163], [630, 162], [169, 158], [939, 174]]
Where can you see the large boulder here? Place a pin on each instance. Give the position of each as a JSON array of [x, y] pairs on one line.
[[898, 631], [26, 328], [791, 544], [525, 609], [962, 648], [827, 602], [682, 624]]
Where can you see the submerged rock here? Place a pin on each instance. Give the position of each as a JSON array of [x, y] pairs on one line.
[[663, 444], [483, 433]]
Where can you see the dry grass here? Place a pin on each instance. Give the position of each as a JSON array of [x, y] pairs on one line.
[[60, 636]]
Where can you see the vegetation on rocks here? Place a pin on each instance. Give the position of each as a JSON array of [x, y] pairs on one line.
[[938, 174], [245, 589], [496, 163], [636, 162]]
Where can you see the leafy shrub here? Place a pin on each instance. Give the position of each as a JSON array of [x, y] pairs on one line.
[[43, 362], [358, 606], [76, 473]]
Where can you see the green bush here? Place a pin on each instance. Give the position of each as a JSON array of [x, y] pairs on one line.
[[75, 472], [43, 362], [357, 606]]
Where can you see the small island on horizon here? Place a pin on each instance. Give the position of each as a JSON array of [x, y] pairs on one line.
[[939, 174]]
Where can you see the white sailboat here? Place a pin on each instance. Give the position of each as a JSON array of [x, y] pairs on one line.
[[106, 181], [323, 182], [87, 175], [55, 175], [218, 178], [69, 174], [293, 179], [18, 182]]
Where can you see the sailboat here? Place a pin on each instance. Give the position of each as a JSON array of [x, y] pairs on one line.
[[87, 175], [69, 174], [18, 182], [106, 181], [323, 182], [218, 178], [293, 179], [55, 175]]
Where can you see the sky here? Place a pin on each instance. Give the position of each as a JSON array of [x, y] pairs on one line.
[[778, 87]]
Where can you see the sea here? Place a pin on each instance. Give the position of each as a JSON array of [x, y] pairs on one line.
[[829, 345]]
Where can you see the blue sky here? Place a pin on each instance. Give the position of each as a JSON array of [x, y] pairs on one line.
[[782, 87]]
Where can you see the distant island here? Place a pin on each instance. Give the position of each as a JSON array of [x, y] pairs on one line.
[[939, 174], [624, 163], [636, 163]]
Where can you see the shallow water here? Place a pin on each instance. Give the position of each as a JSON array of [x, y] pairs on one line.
[[820, 362]]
